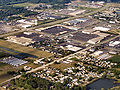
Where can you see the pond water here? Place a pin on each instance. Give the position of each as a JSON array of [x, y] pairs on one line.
[[102, 83]]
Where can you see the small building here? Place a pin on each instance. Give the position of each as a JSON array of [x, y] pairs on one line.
[[26, 26], [101, 28], [26, 68], [95, 40], [114, 43], [89, 31], [92, 50], [104, 56], [113, 52], [97, 53]]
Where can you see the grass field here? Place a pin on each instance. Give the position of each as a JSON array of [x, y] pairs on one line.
[[32, 65], [4, 68], [115, 59], [87, 8], [4, 77], [24, 49], [23, 5], [62, 66]]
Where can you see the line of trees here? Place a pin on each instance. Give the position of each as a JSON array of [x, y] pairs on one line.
[[7, 10], [28, 82], [9, 2], [107, 0], [10, 10]]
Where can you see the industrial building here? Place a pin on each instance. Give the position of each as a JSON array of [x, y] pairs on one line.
[[14, 61]]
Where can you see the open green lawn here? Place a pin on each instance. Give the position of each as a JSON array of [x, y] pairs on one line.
[[115, 59], [23, 5], [24, 49]]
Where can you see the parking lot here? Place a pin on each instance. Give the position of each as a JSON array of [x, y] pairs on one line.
[[87, 23], [82, 36], [57, 30]]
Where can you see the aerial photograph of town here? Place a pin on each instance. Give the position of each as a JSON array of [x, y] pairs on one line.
[[59, 44]]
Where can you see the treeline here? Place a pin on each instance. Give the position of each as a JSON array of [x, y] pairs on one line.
[[51, 1], [28, 82], [9, 2], [116, 1], [6, 11]]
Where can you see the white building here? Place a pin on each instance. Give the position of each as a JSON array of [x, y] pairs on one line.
[[101, 28], [97, 53], [114, 43], [73, 48]]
